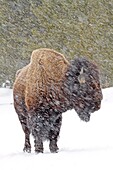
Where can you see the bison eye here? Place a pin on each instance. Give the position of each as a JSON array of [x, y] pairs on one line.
[[84, 95], [93, 86], [77, 74]]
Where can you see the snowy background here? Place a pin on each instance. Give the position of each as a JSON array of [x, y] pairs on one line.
[[82, 145]]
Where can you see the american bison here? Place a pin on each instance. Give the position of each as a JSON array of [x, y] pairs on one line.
[[48, 86]]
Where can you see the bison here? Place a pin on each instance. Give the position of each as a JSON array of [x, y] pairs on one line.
[[48, 86]]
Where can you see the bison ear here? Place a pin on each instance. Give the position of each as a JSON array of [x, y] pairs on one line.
[[81, 77]]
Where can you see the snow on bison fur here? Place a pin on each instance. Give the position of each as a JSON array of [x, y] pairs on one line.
[[48, 86]]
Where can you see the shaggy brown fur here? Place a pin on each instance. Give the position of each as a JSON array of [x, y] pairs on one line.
[[49, 86], [47, 68]]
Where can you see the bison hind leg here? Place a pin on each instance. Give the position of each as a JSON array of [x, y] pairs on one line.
[[24, 123], [27, 145]]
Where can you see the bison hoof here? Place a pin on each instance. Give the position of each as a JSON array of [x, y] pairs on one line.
[[38, 151], [53, 148], [27, 149]]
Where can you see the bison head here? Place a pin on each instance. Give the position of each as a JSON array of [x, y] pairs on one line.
[[82, 79]]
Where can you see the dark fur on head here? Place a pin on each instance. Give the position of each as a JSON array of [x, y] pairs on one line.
[[84, 91], [49, 86]]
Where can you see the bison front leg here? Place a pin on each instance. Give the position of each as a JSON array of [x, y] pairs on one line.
[[38, 145], [53, 145], [54, 134], [36, 129]]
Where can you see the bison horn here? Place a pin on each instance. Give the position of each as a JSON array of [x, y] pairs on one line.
[[81, 77]]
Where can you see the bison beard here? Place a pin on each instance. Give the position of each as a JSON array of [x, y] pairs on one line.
[[78, 88]]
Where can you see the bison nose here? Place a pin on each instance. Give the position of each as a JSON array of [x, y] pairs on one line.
[[98, 96], [97, 105]]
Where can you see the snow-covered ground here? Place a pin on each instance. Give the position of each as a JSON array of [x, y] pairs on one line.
[[87, 146]]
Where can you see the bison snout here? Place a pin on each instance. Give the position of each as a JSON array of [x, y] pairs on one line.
[[96, 106]]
